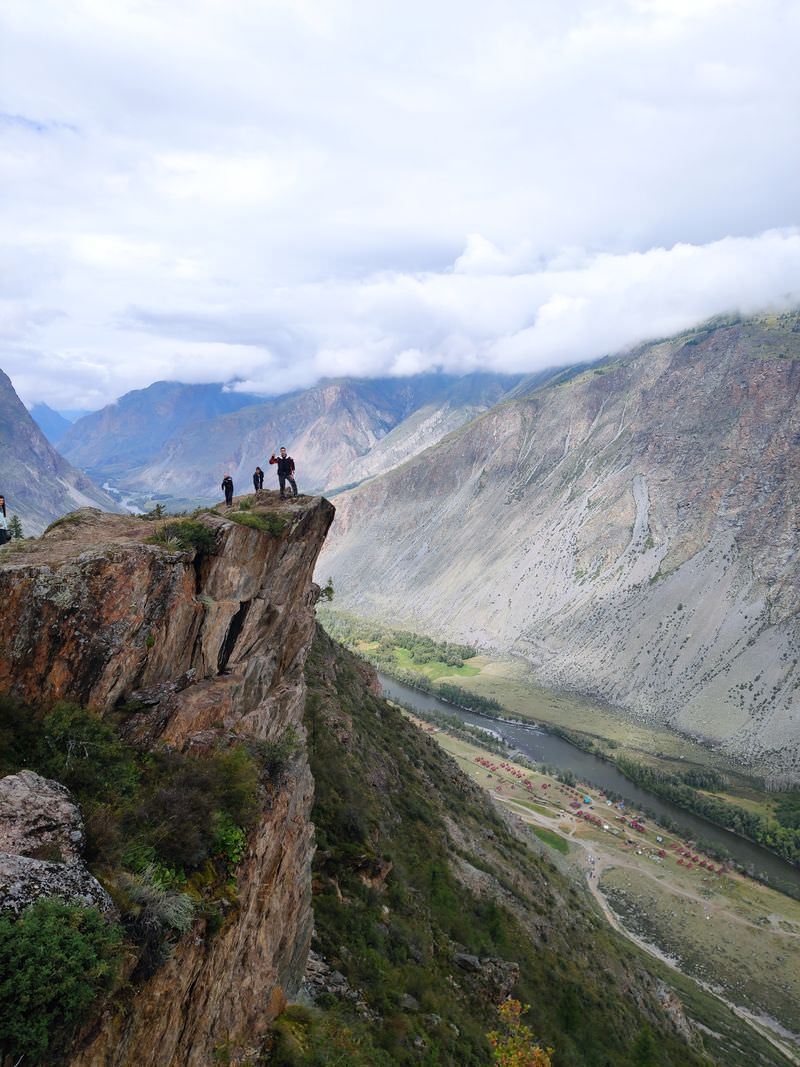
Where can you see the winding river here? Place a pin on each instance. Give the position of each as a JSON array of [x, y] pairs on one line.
[[540, 746]]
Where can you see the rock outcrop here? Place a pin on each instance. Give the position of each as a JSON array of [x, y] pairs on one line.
[[214, 645], [41, 846], [631, 530], [39, 818]]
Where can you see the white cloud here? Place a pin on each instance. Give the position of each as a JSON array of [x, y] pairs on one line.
[[276, 191]]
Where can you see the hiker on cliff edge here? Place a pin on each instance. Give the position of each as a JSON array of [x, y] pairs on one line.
[[258, 479], [3, 505], [285, 471], [227, 487], [4, 534]]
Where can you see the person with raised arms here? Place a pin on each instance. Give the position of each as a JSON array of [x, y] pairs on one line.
[[285, 466]]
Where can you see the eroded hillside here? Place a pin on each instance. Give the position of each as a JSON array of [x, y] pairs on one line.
[[631, 531]]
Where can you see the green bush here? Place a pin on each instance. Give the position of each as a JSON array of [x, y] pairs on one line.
[[186, 534], [20, 730], [229, 841], [181, 798], [56, 960], [274, 757], [83, 752]]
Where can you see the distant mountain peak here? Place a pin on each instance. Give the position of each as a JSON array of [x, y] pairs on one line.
[[39, 484]]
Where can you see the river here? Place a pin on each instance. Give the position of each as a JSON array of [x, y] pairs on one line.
[[540, 746]]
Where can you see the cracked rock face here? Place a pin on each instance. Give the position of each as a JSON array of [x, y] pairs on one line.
[[41, 845], [213, 647]]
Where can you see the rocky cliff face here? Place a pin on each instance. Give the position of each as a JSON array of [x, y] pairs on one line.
[[38, 483], [213, 648], [631, 531]]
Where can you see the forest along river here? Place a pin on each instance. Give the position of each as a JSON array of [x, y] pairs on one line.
[[539, 746]]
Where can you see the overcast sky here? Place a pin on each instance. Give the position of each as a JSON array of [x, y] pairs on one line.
[[276, 191]]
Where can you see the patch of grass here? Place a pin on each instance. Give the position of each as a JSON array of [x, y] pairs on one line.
[[736, 949], [265, 521], [552, 839], [536, 807]]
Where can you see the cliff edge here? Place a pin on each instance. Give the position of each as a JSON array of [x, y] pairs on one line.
[[205, 624]]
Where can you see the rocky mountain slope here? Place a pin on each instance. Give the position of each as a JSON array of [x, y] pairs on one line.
[[630, 529], [38, 483], [151, 442], [213, 646]]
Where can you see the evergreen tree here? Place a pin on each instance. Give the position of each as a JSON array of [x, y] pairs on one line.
[[15, 528]]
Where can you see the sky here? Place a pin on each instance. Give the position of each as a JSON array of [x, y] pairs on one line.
[[270, 192]]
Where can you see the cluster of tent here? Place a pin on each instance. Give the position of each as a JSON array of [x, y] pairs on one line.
[[595, 820], [495, 767], [581, 801], [688, 860]]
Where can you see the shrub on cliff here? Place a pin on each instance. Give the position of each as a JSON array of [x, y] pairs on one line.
[[56, 959], [185, 534], [83, 752], [514, 1045]]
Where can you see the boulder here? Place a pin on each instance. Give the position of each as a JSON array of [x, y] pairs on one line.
[[41, 842]]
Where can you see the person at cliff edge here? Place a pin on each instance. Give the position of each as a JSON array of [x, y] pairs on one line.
[[285, 471], [3, 505], [227, 487], [258, 479], [4, 534]]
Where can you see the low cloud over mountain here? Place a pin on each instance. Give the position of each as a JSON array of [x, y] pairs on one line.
[[276, 193]]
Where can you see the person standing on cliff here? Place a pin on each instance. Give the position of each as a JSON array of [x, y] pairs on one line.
[[227, 487], [3, 505], [285, 471], [258, 479]]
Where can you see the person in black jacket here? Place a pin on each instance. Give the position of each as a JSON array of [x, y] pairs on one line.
[[258, 479], [285, 471], [227, 486]]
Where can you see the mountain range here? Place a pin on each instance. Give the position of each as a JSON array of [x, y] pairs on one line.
[[180, 439], [39, 485], [629, 529]]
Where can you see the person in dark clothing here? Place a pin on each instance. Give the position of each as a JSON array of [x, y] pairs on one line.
[[227, 486], [285, 471], [258, 479], [3, 505]]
